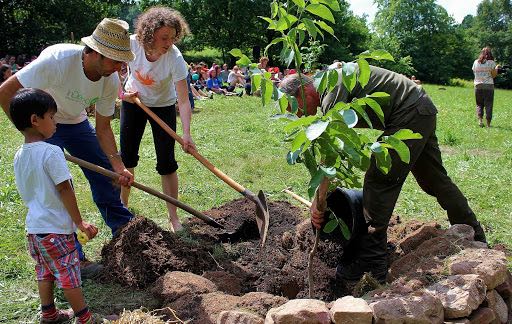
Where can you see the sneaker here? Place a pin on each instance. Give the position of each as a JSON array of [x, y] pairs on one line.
[[240, 94], [90, 270], [63, 316], [210, 95]]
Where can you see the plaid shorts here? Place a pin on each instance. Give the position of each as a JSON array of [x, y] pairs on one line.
[[56, 259]]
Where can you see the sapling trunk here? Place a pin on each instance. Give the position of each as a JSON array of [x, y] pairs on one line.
[[321, 206]]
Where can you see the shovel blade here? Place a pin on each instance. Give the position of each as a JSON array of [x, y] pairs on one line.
[[262, 216]]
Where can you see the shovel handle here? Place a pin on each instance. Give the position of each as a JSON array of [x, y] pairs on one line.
[[115, 176], [232, 183], [297, 197]]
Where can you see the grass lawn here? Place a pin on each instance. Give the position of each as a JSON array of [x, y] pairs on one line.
[[238, 136]]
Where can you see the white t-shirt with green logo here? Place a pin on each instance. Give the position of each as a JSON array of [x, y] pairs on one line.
[[59, 71], [154, 81]]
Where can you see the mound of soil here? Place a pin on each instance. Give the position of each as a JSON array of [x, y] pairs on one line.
[[142, 252]]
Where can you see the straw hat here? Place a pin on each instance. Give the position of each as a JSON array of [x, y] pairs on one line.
[[111, 39]]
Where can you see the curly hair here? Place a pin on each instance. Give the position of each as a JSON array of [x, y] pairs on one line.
[[157, 17]]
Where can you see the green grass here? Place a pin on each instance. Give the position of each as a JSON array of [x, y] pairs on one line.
[[238, 136]]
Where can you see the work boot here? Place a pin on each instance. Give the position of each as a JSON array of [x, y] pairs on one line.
[[479, 233], [90, 270], [355, 270]]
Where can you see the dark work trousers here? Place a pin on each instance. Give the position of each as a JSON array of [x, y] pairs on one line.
[[380, 192], [484, 95]]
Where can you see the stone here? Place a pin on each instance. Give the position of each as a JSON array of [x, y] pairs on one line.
[[238, 317], [260, 302], [490, 265], [500, 308], [419, 307], [422, 234], [483, 315], [310, 311], [505, 289], [350, 310], [460, 232], [460, 294], [176, 284]]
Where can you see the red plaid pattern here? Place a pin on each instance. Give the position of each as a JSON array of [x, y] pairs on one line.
[[56, 259]]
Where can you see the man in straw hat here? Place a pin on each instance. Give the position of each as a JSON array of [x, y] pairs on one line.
[[77, 77]]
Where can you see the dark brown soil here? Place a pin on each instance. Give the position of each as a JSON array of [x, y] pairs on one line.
[[142, 252]]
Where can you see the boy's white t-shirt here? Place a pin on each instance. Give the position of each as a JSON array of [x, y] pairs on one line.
[[483, 72], [154, 81], [38, 168], [59, 71]]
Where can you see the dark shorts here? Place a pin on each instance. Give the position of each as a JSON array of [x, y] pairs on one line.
[[56, 259], [133, 124]]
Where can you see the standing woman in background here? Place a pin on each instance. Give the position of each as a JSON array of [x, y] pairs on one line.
[[485, 70], [158, 76], [5, 72]]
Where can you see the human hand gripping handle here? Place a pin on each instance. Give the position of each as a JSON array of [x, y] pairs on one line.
[[129, 96]]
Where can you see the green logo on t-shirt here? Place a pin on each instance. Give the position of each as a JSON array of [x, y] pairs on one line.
[[76, 96]]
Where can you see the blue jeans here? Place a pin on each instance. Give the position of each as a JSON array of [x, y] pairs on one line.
[[80, 141]]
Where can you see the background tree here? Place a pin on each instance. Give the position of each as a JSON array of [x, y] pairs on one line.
[[30, 25], [424, 31]]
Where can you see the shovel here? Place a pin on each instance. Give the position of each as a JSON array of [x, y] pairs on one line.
[[115, 176], [262, 215]]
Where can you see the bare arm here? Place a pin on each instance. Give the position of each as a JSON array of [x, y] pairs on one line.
[[494, 72], [7, 91], [108, 145], [185, 114], [67, 195]]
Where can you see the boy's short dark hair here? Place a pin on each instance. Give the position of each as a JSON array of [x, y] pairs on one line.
[[29, 101]]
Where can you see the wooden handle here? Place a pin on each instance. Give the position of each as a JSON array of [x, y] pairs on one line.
[[115, 176], [297, 197], [232, 183]]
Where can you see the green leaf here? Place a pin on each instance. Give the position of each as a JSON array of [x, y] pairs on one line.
[[316, 129], [256, 80], [302, 36], [282, 24], [406, 134], [376, 147], [274, 7], [400, 147], [287, 117], [321, 11], [310, 27], [300, 3], [379, 95], [324, 26], [236, 52], [361, 111], [349, 77], [332, 80], [349, 117], [274, 41], [243, 61], [330, 226], [267, 90], [303, 121], [374, 105], [310, 162], [283, 103], [379, 55], [344, 229], [293, 103], [333, 4], [315, 181], [364, 72], [321, 82], [328, 171], [383, 160], [299, 139]]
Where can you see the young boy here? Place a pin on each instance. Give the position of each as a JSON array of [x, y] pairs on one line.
[[43, 181]]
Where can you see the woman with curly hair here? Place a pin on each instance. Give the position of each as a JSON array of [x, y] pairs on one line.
[[158, 76], [485, 70]]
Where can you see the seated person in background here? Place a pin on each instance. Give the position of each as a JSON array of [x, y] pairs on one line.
[[224, 73], [235, 78], [263, 63], [214, 83], [413, 78]]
